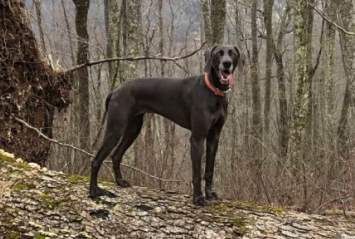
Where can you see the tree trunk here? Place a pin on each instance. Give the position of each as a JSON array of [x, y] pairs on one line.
[[39, 203], [29, 91], [347, 17], [218, 20], [205, 7], [113, 35], [256, 118], [68, 28], [214, 15], [303, 21], [37, 4], [280, 73], [302, 55], [82, 9], [161, 38], [268, 4], [330, 58]]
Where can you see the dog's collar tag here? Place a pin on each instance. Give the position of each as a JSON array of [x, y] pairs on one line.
[[227, 91], [215, 90]]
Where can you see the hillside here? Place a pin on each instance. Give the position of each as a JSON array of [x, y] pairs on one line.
[[38, 203]]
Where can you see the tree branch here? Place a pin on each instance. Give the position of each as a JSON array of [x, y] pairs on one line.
[[27, 125], [138, 58], [315, 67], [326, 18]]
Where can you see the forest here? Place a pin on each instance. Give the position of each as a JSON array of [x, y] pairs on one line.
[[288, 139]]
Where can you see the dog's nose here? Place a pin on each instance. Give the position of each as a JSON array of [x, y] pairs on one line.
[[227, 64]]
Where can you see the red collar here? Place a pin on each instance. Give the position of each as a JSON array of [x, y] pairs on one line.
[[215, 90]]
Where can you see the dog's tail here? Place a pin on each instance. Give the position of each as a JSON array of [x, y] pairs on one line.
[[107, 101]]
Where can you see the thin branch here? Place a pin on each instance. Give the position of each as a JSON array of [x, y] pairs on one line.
[[27, 125], [314, 69], [325, 17], [138, 58]]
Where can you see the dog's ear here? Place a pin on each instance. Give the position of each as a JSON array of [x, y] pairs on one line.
[[208, 57]]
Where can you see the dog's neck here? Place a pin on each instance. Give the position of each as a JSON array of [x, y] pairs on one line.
[[213, 77]]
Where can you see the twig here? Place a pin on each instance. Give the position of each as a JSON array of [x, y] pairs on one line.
[[27, 125], [332, 201], [138, 58], [315, 67], [322, 15]]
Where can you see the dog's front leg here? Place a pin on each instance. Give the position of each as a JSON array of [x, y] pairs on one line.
[[197, 148], [212, 146]]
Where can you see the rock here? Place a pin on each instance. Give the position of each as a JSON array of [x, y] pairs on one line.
[[49, 204]]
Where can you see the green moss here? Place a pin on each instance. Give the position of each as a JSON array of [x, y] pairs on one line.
[[39, 236], [20, 186], [23, 166], [13, 235], [50, 201], [106, 183], [258, 207], [241, 224], [239, 220], [77, 179], [6, 156]]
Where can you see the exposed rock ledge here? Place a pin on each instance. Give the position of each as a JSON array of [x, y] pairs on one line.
[[38, 203]]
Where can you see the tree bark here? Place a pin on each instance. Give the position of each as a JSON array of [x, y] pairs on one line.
[[214, 15], [257, 130], [68, 28], [82, 9], [280, 73], [329, 51], [37, 4], [28, 91], [218, 21], [268, 4], [301, 109], [205, 7], [347, 18], [113, 35]]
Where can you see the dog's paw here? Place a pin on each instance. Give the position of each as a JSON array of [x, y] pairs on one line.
[[123, 183], [211, 196], [199, 201], [98, 192]]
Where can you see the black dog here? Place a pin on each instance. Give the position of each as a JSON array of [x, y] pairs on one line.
[[196, 103]]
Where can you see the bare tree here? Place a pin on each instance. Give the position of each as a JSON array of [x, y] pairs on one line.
[[303, 22], [347, 18], [268, 4], [214, 15], [218, 19], [113, 35], [280, 73], [37, 4], [257, 130], [82, 9]]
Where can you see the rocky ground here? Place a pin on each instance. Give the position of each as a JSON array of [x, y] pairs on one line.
[[38, 203]]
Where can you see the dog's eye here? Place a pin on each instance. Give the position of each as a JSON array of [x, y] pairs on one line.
[[230, 52], [221, 53]]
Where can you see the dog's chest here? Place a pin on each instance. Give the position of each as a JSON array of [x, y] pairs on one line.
[[218, 108]]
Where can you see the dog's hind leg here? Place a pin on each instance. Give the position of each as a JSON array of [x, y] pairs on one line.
[[112, 138], [132, 131]]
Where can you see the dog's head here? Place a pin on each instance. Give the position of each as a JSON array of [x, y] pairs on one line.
[[222, 61]]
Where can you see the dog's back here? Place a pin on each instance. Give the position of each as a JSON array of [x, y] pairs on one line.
[[165, 96]]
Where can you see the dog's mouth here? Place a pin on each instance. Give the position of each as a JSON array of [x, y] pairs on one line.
[[226, 77]]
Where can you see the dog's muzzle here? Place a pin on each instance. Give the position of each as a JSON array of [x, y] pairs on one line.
[[226, 78]]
